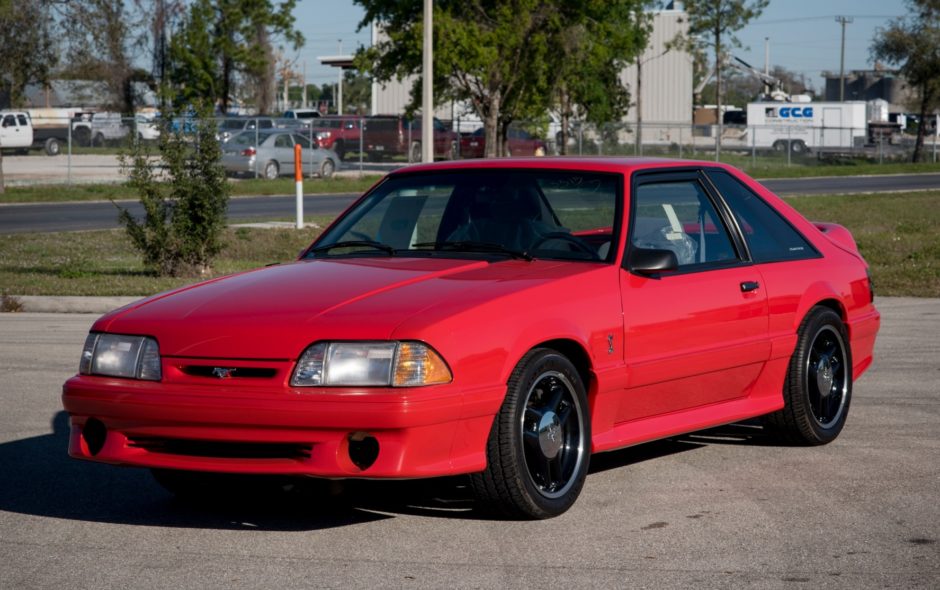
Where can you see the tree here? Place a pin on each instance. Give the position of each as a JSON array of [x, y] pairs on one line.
[[184, 194], [913, 43], [220, 40], [502, 56], [27, 50], [593, 44], [712, 24], [99, 42]]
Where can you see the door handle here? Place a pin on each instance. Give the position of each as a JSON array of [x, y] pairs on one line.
[[748, 286]]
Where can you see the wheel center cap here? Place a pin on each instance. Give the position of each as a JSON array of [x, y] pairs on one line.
[[824, 377], [550, 435]]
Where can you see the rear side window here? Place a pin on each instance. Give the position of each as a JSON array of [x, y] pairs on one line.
[[769, 236], [22, 120]]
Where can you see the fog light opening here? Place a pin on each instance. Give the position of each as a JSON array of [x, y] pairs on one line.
[[363, 449], [94, 434]]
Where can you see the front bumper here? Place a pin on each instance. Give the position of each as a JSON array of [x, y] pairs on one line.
[[421, 432]]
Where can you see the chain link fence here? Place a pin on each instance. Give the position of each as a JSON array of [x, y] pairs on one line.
[[85, 149]]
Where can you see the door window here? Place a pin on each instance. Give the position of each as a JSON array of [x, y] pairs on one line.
[[283, 141], [679, 216]]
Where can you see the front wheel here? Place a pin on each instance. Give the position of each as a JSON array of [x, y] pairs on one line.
[[271, 170], [818, 386], [327, 168], [539, 447]]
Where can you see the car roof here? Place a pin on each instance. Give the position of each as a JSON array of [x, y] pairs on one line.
[[620, 164]]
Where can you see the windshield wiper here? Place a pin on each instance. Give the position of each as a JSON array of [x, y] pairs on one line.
[[471, 246], [354, 244]]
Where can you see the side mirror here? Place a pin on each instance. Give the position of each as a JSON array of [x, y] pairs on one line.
[[646, 261]]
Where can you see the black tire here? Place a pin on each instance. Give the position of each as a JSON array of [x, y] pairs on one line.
[[817, 390], [415, 153], [52, 147], [780, 146], [98, 140], [327, 168], [340, 148], [539, 447], [271, 170], [798, 148], [81, 136]]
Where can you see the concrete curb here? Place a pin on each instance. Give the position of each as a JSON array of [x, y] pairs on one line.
[[64, 304]]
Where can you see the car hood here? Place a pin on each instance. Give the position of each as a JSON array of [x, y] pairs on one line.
[[277, 311]]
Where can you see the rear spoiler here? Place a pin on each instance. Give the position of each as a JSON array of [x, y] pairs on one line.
[[839, 235]]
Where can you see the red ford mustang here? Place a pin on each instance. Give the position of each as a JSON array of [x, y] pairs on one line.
[[504, 319]]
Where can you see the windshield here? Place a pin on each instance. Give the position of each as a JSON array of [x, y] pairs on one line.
[[549, 214]]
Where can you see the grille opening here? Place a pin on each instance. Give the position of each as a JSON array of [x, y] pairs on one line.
[[222, 450], [220, 372], [94, 433]]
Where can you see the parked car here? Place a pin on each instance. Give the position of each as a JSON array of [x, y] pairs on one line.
[[147, 127], [273, 155], [499, 318], [98, 128], [302, 114], [235, 125], [521, 143], [390, 135], [340, 134]]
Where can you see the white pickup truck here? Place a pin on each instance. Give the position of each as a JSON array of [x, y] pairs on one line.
[[17, 133]]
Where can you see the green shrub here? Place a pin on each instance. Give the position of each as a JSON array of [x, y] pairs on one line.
[[184, 193]]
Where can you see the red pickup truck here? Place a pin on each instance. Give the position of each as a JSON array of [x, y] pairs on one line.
[[337, 133], [391, 135]]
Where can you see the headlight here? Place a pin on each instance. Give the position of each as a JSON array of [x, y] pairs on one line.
[[115, 355], [375, 364]]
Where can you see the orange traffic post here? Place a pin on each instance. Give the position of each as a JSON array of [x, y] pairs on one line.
[[299, 182]]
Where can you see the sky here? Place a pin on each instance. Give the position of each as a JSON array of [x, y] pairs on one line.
[[804, 36]]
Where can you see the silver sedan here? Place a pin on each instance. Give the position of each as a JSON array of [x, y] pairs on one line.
[[270, 154]]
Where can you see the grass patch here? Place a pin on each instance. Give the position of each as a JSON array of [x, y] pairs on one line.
[[899, 235], [99, 192], [104, 262]]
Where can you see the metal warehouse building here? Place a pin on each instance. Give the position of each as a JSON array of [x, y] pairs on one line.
[[666, 84]]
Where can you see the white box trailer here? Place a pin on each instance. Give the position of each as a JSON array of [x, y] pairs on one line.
[[807, 126]]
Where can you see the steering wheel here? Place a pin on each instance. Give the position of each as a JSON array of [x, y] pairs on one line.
[[566, 237]]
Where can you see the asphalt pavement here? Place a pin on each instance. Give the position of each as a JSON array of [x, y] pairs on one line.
[[718, 509], [48, 217]]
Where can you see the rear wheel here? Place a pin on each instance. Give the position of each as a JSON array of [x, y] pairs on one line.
[[52, 147], [415, 152], [340, 148], [98, 140], [818, 387], [539, 447]]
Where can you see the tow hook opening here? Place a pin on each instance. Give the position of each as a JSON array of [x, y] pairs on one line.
[[363, 449], [94, 433]]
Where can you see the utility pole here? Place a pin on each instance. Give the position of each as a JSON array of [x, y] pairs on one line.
[[766, 64], [842, 20], [427, 87]]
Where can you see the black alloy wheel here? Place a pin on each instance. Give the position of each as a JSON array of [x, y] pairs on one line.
[[539, 448]]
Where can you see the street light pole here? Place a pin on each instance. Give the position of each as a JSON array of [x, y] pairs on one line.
[[843, 20], [427, 88]]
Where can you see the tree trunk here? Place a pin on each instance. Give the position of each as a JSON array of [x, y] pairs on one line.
[[639, 105], [265, 97], [490, 123], [718, 112], [922, 123], [565, 103]]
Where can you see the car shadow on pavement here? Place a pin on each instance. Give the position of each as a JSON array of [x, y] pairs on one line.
[[41, 479]]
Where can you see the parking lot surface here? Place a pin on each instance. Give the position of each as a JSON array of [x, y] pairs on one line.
[[717, 509]]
